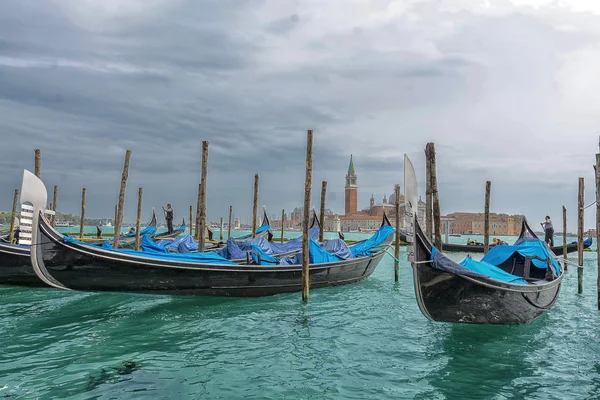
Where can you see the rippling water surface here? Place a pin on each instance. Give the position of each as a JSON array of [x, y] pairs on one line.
[[367, 340]]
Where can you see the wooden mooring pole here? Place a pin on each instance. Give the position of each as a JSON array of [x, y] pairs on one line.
[[597, 172], [190, 221], [119, 220], [13, 215], [428, 194], [229, 223], [202, 219], [580, 206], [138, 221], [197, 222], [37, 162], [255, 206], [322, 211], [306, 217], [397, 240], [221, 230], [282, 223], [82, 219], [486, 223], [437, 226], [565, 265], [54, 200], [115, 220]]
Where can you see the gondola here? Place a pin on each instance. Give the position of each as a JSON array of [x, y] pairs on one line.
[[511, 285], [67, 264], [15, 266], [127, 240], [473, 248], [167, 236]]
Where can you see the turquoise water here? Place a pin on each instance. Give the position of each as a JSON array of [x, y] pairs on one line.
[[362, 341]]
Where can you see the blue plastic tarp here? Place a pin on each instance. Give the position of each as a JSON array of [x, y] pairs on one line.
[[160, 253], [338, 248], [181, 244], [149, 230], [498, 254], [472, 268], [364, 248]]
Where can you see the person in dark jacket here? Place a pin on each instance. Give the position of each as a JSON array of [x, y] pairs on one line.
[[549, 229], [169, 217]]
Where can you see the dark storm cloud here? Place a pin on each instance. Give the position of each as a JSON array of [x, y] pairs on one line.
[[84, 81]]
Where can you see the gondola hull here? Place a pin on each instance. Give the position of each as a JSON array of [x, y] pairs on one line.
[[447, 297], [83, 267], [15, 267]]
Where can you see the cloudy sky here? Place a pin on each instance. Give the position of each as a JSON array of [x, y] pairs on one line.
[[508, 90]]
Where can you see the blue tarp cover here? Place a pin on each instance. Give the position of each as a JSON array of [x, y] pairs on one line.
[[498, 254], [364, 248], [181, 244], [472, 268], [149, 230], [156, 252]]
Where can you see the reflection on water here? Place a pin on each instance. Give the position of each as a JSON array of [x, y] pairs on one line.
[[483, 361]]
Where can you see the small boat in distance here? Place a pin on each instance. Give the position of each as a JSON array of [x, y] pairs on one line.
[[63, 224]]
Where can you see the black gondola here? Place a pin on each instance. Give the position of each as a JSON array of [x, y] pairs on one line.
[[71, 265], [473, 248], [15, 266], [449, 292]]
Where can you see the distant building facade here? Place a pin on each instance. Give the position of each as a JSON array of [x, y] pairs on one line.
[[367, 219], [464, 223]]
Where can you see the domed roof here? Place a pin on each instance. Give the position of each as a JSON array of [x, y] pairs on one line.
[[392, 198]]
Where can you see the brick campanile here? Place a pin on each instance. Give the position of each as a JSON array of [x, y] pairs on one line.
[[351, 192]]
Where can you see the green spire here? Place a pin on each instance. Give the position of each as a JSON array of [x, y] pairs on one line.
[[351, 166]]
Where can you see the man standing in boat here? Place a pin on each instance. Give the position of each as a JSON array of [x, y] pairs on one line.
[[549, 229], [169, 217]]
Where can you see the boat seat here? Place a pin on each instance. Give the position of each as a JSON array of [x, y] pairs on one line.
[[548, 274]]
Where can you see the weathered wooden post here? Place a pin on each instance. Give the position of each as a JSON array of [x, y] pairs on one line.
[[119, 220], [255, 205], [229, 224], [138, 221], [13, 215], [282, 223], [397, 240], [82, 219], [580, 236], [221, 230], [198, 214], [597, 171], [486, 223], [565, 238], [322, 211], [115, 220], [37, 162], [53, 221], [307, 190], [202, 222], [190, 221], [437, 227], [428, 194]]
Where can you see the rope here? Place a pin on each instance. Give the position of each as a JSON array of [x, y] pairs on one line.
[[589, 205], [391, 255]]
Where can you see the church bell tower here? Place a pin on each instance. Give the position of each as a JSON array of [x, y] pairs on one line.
[[351, 192]]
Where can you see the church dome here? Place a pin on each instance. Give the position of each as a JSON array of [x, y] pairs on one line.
[[392, 198]]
